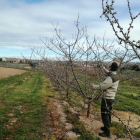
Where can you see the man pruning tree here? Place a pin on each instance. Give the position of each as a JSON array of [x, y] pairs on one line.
[[109, 88]]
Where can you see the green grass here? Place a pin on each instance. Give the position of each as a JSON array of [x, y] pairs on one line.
[[134, 80], [127, 100], [23, 91], [23, 96], [118, 129]]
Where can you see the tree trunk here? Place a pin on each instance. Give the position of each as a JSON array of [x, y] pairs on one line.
[[67, 81], [89, 109]]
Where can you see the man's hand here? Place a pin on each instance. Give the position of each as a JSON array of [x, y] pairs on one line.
[[103, 67], [92, 85]]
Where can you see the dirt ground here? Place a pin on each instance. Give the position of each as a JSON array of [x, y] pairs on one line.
[[134, 118], [6, 72], [94, 123]]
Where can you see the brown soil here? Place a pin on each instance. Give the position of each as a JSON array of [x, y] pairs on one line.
[[94, 123], [134, 118], [61, 128], [2, 105], [94, 126], [6, 72]]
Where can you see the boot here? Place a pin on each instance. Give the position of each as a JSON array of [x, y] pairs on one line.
[[102, 128], [104, 135]]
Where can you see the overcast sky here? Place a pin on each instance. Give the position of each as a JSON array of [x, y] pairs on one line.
[[23, 22]]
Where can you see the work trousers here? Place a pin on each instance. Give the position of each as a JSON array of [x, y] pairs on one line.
[[106, 107]]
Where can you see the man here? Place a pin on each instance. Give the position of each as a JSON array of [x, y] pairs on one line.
[[109, 88]]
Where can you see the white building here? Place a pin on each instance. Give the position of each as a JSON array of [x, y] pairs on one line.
[[4, 59]]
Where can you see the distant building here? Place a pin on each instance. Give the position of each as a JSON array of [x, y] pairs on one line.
[[12, 60], [17, 60], [25, 61], [4, 59]]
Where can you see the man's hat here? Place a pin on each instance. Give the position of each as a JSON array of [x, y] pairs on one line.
[[117, 60]]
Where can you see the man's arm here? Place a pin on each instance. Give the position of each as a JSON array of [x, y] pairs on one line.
[[103, 86], [106, 70]]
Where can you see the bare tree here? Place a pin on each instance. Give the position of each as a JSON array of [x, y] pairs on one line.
[[73, 51], [130, 46], [123, 36], [82, 57]]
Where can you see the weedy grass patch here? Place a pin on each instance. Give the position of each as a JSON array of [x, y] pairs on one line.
[[127, 99], [22, 106], [78, 127], [119, 130]]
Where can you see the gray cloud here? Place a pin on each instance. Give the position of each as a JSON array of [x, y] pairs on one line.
[[22, 24]]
